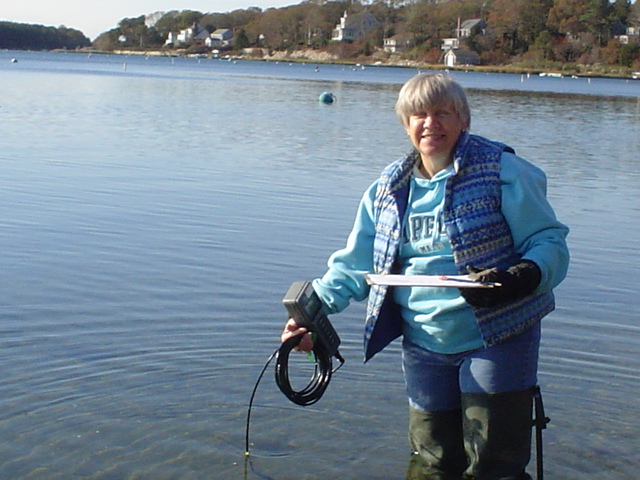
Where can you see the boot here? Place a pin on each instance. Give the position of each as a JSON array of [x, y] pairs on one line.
[[497, 434], [437, 445]]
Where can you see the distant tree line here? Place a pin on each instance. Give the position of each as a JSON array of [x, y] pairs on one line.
[[22, 36], [535, 31]]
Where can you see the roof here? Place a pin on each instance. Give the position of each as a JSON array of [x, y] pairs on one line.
[[355, 19], [401, 37], [469, 24]]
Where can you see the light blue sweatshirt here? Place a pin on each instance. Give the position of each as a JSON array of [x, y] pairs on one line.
[[439, 319]]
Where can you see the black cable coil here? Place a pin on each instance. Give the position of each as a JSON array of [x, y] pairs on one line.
[[320, 379]]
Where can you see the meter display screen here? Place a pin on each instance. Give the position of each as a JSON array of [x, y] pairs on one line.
[[310, 302]]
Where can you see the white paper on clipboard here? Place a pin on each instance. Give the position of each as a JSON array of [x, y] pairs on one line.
[[444, 281]]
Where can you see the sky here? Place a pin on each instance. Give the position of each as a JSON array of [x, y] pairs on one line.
[[93, 17]]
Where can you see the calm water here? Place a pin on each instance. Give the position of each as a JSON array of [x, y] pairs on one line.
[[154, 211]]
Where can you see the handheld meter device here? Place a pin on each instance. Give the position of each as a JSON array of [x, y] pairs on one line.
[[305, 307]]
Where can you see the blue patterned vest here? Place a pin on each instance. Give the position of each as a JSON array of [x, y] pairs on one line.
[[478, 232]]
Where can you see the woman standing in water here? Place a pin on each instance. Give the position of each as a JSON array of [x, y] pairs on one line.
[[457, 203]]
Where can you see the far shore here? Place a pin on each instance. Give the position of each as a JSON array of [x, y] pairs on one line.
[[321, 57]]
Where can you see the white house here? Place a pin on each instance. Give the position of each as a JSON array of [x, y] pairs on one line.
[[469, 27], [631, 36], [398, 43], [450, 43], [354, 26], [461, 57], [187, 35], [175, 38], [454, 55], [220, 38]]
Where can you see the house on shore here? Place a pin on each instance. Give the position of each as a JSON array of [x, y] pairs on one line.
[[399, 43], [630, 36], [354, 26], [474, 26], [220, 38], [194, 34], [459, 57], [454, 52]]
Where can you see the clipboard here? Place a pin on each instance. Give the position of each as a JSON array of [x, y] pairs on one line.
[[443, 281]]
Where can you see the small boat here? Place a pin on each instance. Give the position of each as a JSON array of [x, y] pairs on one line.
[[14, 60]]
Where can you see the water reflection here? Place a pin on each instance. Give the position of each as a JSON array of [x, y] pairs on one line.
[[152, 223]]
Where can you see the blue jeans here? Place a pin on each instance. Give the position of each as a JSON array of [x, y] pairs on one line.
[[435, 381]]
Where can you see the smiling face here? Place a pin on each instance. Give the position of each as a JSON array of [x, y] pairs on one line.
[[433, 109], [434, 133]]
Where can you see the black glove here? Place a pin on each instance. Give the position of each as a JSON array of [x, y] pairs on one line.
[[516, 282]]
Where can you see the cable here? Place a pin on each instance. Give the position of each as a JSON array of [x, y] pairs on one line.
[[253, 394], [320, 379], [312, 392]]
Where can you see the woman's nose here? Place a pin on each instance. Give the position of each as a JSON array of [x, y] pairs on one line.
[[429, 120]]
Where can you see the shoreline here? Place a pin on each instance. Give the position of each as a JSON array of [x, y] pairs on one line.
[[321, 57]]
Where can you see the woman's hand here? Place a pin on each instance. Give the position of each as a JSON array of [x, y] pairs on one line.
[[292, 329], [516, 282]]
